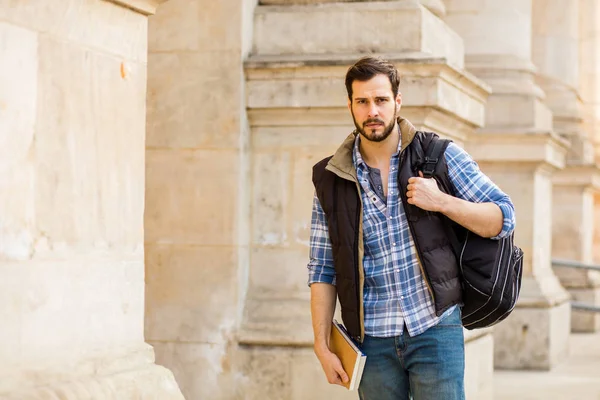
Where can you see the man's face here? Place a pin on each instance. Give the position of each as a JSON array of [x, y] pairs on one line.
[[374, 107]]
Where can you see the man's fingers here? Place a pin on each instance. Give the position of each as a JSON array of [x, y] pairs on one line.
[[421, 174], [342, 374]]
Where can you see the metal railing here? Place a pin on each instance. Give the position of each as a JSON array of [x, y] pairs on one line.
[[576, 305], [574, 264]]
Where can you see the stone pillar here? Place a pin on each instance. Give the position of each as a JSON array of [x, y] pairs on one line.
[[72, 106], [197, 192], [519, 151], [575, 186], [298, 115], [556, 52]]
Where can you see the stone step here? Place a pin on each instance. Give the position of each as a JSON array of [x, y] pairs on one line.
[[355, 28]]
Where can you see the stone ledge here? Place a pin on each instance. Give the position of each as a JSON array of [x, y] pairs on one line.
[[584, 175], [316, 82], [513, 147], [302, 29], [145, 7]]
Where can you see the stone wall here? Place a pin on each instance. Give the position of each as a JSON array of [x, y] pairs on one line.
[[72, 128]]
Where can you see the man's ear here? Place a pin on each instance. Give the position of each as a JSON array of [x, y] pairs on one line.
[[349, 104], [399, 99]]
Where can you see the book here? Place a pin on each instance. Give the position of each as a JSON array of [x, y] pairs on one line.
[[352, 358]]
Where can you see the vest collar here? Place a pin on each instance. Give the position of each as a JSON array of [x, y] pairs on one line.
[[341, 163]]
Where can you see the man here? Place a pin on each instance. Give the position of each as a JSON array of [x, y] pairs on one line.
[[378, 244]]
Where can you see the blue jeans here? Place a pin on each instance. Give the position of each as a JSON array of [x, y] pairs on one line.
[[430, 366]]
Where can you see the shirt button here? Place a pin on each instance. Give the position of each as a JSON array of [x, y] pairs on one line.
[[391, 217], [394, 244], [374, 198], [401, 297]]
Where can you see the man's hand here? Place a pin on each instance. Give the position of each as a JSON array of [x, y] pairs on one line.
[[425, 194], [332, 366]]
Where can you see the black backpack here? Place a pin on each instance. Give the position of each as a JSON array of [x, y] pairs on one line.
[[491, 270]]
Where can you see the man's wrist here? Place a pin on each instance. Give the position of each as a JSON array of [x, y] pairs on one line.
[[321, 348], [445, 203]]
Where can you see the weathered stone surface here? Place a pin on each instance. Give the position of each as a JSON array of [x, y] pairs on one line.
[[96, 24], [183, 283], [72, 88], [184, 210], [203, 370], [207, 117], [479, 367], [402, 26], [532, 338], [286, 84]]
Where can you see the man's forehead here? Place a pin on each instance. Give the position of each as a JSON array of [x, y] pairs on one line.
[[373, 92], [376, 87]]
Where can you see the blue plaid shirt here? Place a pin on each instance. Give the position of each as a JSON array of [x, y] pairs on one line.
[[395, 292]]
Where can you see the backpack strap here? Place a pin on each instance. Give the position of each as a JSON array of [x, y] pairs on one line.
[[435, 150]]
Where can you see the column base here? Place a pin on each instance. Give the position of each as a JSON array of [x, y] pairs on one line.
[[479, 364], [533, 337], [585, 321], [133, 376]]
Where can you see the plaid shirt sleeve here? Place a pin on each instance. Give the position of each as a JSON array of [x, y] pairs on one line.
[[320, 265], [473, 185]]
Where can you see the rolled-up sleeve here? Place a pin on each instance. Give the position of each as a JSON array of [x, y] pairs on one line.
[[320, 265], [473, 185]]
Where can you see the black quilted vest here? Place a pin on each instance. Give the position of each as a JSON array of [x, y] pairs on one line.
[[340, 199]]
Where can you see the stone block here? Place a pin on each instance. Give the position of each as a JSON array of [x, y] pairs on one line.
[[89, 147], [402, 26], [518, 112], [532, 338], [585, 321], [479, 367], [278, 270], [272, 373], [301, 198], [315, 141], [194, 100], [492, 27], [99, 25], [18, 105], [270, 205], [196, 26], [183, 283], [199, 206], [83, 304]]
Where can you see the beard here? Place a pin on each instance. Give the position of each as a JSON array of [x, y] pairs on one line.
[[371, 134]]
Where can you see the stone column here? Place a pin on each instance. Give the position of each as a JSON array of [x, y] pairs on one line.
[[519, 151], [197, 192], [575, 186], [72, 131]]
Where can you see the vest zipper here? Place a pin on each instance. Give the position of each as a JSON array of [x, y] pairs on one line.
[[357, 273]]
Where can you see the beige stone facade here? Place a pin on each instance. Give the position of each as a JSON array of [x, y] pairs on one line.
[[156, 188]]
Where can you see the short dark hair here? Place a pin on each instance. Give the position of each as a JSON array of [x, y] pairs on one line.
[[367, 67]]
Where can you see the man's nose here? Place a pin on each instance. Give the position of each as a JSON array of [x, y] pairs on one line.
[[373, 111]]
